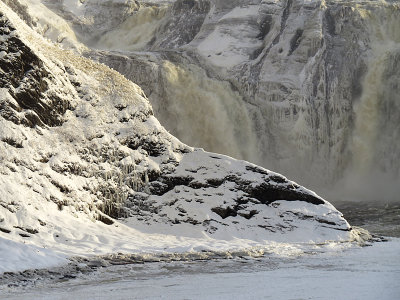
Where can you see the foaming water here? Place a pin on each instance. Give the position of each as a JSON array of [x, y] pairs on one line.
[[367, 116], [358, 273], [375, 146], [205, 112]]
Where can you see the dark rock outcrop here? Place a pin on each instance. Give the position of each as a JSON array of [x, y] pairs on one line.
[[26, 79]]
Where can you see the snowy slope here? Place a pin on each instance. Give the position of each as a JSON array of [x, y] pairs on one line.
[[86, 169]]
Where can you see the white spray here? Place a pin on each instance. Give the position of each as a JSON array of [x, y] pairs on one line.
[[373, 173], [205, 112]]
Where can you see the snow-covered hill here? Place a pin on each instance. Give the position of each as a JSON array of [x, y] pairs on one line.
[[85, 169]]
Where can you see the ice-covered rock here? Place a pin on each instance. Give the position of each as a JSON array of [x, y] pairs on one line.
[[87, 169]]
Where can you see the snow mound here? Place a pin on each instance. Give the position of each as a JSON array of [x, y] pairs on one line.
[[86, 169]]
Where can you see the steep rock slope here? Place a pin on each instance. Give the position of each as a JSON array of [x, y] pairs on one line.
[[300, 76], [87, 169]]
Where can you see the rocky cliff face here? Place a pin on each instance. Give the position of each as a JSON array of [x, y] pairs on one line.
[[82, 155], [296, 73]]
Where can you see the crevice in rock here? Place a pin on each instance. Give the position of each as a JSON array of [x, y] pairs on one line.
[[295, 41]]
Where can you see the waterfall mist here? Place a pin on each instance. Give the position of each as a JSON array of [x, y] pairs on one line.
[[374, 171], [204, 112]]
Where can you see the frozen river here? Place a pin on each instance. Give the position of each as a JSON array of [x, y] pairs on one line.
[[326, 272]]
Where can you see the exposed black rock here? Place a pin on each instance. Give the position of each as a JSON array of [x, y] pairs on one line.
[[5, 230], [267, 194], [26, 78], [225, 212]]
